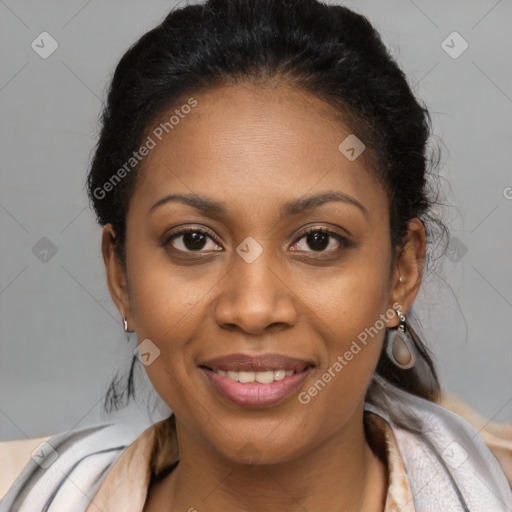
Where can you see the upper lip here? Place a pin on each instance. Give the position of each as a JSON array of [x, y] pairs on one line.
[[259, 363]]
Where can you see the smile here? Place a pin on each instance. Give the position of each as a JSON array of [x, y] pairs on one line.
[[246, 389], [266, 377]]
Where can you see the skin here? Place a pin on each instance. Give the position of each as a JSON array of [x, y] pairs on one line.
[[255, 148]]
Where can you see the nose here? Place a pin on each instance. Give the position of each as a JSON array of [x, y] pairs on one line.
[[256, 297]]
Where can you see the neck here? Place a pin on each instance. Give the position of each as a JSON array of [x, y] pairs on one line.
[[342, 473]]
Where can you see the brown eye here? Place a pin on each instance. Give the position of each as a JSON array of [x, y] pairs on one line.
[[320, 239], [191, 240]]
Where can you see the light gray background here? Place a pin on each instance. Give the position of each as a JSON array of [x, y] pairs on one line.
[[61, 335]]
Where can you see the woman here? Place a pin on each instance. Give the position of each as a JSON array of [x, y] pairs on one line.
[[263, 186]]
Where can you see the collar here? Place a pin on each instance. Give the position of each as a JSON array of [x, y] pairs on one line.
[[126, 485]]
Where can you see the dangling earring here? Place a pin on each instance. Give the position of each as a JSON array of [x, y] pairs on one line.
[[125, 324], [400, 345]]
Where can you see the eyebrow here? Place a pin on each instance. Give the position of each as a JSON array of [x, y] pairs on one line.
[[294, 207]]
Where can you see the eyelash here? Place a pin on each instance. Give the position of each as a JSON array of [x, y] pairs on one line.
[[344, 242]]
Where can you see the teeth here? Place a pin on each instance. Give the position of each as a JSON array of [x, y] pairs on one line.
[[279, 374], [246, 376], [266, 377]]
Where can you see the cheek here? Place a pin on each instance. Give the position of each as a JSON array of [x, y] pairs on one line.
[[353, 330], [356, 308], [350, 309], [167, 310], [349, 301], [165, 301]]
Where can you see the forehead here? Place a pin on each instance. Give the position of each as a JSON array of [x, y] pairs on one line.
[[252, 147]]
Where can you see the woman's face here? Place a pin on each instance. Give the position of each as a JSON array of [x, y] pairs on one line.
[[249, 281]]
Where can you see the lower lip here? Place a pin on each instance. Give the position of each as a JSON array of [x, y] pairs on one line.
[[254, 394]]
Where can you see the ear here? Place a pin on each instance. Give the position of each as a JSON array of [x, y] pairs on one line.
[[408, 269], [116, 275]]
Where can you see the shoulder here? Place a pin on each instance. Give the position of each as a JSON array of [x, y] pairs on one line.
[[14, 456], [69, 465], [445, 456], [497, 436]]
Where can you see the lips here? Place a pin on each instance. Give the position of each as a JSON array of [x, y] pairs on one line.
[[261, 363], [256, 381]]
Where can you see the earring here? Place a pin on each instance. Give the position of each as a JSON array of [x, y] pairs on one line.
[[125, 324], [399, 345]]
